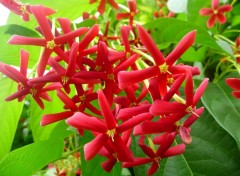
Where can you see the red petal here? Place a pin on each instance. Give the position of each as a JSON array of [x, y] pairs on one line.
[[221, 18], [135, 120], [150, 45], [90, 35], [189, 88], [82, 121], [200, 90], [127, 113], [92, 148], [137, 162], [147, 150], [176, 150], [43, 61], [39, 12], [51, 118], [127, 63], [124, 154], [215, 4], [160, 107], [190, 120], [205, 11], [181, 47], [22, 40], [24, 62], [185, 135], [108, 165], [236, 94], [233, 83], [106, 111], [166, 144], [225, 8], [211, 21], [66, 100], [113, 4], [126, 78], [154, 167]]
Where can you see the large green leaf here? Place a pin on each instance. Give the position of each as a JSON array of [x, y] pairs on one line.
[[58, 129], [171, 30], [224, 108], [10, 113], [29, 159]]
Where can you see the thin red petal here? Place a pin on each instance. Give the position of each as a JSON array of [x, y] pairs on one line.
[[181, 47], [176, 150], [150, 45], [92, 148], [51, 118], [106, 111], [82, 121]]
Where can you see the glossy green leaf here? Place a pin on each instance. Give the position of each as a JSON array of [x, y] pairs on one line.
[[58, 129], [224, 108], [193, 55], [27, 160], [10, 113], [171, 30]]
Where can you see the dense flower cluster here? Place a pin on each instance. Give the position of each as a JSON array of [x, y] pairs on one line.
[[137, 89]]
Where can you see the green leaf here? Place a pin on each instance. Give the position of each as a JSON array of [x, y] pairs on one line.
[[10, 113], [223, 107], [192, 55], [165, 30], [226, 47], [57, 129], [27, 160], [11, 53]]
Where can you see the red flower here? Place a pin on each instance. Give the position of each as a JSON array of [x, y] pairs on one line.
[[155, 156], [234, 83], [106, 130], [22, 9], [49, 42], [132, 12], [38, 92], [101, 7], [216, 13]]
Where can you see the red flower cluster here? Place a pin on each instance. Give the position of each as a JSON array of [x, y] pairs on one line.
[[137, 89]]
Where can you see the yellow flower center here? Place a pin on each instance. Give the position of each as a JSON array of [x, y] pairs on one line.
[[23, 9], [158, 159], [33, 91], [111, 133], [191, 111], [170, 80], [51, 44], [98, 68], [111, 76], [65, 80], [164, 68], [115, 156], [132, 14], [82, 98], [215, 11]]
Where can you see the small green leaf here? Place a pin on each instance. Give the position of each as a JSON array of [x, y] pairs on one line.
[[10, 113], [192, 55], [223, 107], [226, 47], [27, 160]]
